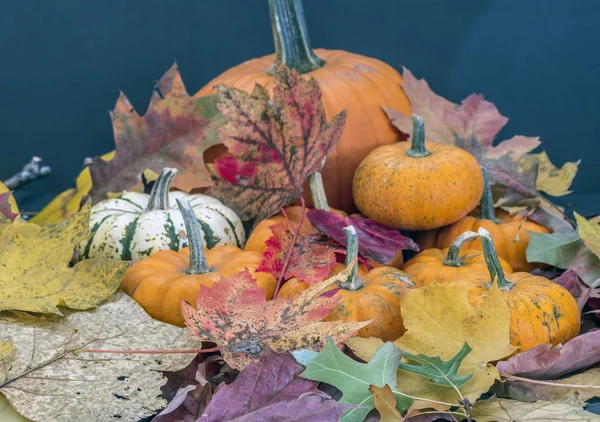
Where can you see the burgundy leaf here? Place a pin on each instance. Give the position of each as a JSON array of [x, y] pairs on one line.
[[545, 362], [5, 206], [270, 390], [375, 241]]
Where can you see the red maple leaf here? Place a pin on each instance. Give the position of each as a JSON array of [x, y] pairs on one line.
[[275, 144]]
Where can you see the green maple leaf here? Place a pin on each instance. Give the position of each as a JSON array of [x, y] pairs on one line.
[[353, 378], [441, 372]]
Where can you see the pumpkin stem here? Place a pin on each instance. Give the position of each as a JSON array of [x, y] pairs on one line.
[[159, 196], [292, 43], [353, 283], [452, 258], [317, 191], [198, 263], [486, 205], [492, 262], [417, 148]]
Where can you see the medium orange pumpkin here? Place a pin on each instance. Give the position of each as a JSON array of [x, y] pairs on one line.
[[348, 81], [159, 283], [374, 294], [417, 187], [442, 265], [509, 232], [541, 311]]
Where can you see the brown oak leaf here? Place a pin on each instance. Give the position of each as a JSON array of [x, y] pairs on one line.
[[174, 132], [234, 314], [276, 144]]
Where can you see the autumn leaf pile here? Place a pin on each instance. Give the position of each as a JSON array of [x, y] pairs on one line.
[[68, 332]]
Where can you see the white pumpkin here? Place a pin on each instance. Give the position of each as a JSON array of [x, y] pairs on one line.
[[133, 225]]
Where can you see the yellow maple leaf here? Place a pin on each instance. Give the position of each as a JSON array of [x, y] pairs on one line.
[[36, 276], [550, 179], [589, 232]]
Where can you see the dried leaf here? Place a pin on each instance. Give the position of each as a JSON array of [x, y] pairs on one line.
[[8, 413], [174, 132], [312, 258], [8, 204], [234, 314], [590, 233], [36, 276], [93, 386], [275, 145], [566, 250], [472, 126], [545, 362], [580, 291], [504, 410], [385, 403], [551, 179], [354, 379], [264, 390], [375, 241], [439, 320]]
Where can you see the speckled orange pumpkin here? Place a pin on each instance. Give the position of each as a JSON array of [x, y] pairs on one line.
[[159, 283], [541, 311], [509, 232], [421, 186], [442, 265], [374, 294], [359, 84]]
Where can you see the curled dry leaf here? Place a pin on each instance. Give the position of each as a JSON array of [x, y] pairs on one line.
[[174, 132], [375, 241], [312, 257], [234, 314], [504, 410], [275, 144], [545, 362], [385, 403], [472, 126], [36, 276], [47, 360]]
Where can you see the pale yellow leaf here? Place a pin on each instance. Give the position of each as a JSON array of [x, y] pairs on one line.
[[5, 349], [550, 179], [36, 276], [8, 413], [590, 233], [504, 410]]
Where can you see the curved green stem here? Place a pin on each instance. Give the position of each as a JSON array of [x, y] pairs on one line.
[[453, 258], [418, 149], [159, 196], [317, 191], [353, 283], [492, 262], [198, 263], [486, 205], [292, 43]]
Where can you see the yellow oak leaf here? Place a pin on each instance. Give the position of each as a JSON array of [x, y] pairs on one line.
[[439, 320], [589, 232], [504, 410], [550, 179], [36, 276], [385, 403]]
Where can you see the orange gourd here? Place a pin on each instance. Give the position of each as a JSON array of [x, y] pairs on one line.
[[541, 311], [442, 265], [374, 294], [417, 187], [359, 84], [509, 232], [159, 283]]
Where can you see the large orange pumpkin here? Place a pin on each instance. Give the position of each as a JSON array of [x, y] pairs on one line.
[[374, 294], [417, 187], [509, 232], [348, 81], [541, 311], [159, 283]]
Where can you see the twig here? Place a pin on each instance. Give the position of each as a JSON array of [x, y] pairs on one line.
[[30, 172], [554, 384], [467, 406], [289, 255], [151, 352]]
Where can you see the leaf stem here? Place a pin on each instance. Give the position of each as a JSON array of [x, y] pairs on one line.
[[159, 196], [291, 250], [418, 149], [486, 205], [152, 352], [353, 283], [554, 384], [453, 258], [198, 263]]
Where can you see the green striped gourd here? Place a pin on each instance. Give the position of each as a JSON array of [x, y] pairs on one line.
[[133, 225]]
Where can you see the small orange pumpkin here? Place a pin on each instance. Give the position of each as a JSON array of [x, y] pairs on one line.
[[159, 283], [366, 295], [442, 265], [541, 311], [418, 187], [357, 83], [509, 232]]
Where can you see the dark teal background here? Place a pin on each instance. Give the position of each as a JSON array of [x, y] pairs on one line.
[[63, 62]]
